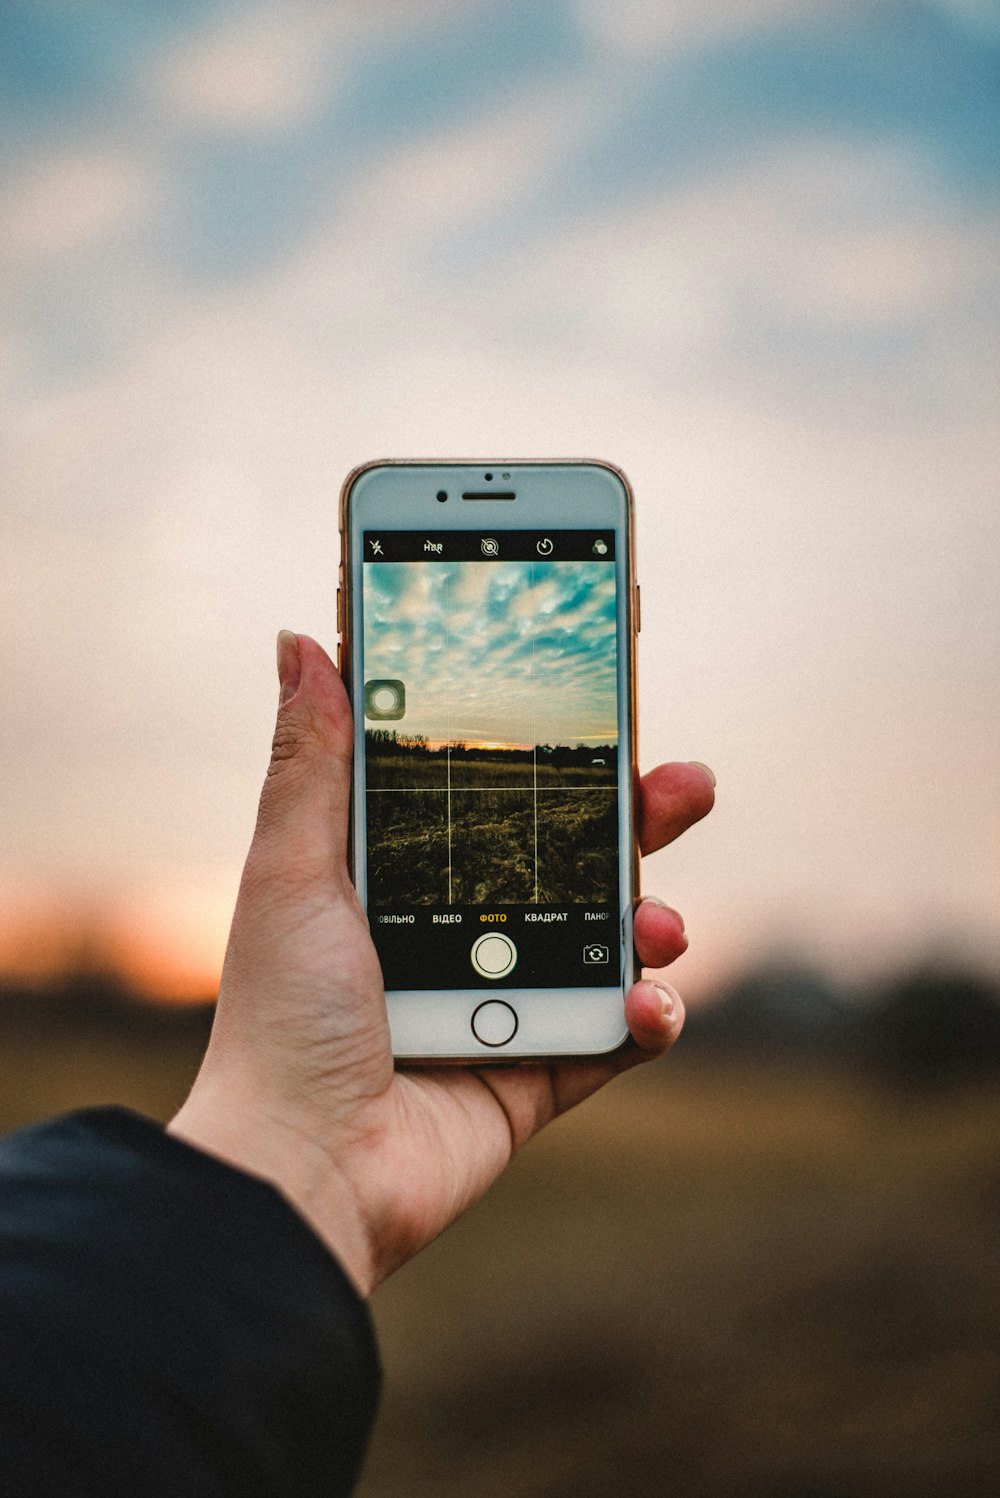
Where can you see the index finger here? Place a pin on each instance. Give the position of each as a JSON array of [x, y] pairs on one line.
[[671, 799]]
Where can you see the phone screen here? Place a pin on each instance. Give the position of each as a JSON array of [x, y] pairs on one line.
[[491, 757]]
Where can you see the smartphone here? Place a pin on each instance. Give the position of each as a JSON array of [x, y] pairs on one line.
[[488, 613]]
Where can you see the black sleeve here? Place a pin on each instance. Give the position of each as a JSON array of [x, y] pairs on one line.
[[169, 1325]]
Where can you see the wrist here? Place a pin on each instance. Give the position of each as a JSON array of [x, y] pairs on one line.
[[295, 1164]]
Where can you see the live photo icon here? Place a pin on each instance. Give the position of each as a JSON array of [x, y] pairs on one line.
[[384, 700]]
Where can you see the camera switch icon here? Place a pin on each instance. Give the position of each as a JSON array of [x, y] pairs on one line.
[[384, 700], [594, 952]]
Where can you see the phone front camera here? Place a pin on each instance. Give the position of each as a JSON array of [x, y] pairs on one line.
[[442, 496], [489, 478]]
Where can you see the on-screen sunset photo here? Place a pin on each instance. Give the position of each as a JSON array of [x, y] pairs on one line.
[[494, 779]]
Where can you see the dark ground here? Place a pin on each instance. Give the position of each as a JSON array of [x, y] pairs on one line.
[[757, 1270]]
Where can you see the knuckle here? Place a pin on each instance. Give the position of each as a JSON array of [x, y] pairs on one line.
[[285, 745]]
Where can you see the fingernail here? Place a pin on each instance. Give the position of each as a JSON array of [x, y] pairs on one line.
[[709, 772], [289, 664], [655, 900], [669, 1000]]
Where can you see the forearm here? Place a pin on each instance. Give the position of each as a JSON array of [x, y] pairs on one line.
[[170, 1324]]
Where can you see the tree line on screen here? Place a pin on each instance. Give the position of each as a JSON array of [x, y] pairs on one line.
[[388, 743]]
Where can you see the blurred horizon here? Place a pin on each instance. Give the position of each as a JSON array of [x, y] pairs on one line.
[[782, 992], [747, 252]]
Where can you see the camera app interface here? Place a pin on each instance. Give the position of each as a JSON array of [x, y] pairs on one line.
[[491, 757]]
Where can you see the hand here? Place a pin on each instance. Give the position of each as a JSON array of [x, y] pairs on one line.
[[298, 1083]]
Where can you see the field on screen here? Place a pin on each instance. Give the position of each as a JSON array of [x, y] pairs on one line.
[[463, 827]]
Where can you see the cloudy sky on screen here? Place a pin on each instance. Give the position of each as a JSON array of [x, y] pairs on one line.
[[516, 653], [745, 250]]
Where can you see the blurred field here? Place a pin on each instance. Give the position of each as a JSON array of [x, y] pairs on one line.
[[141, 1058], [722, 1277], [712, 1281]]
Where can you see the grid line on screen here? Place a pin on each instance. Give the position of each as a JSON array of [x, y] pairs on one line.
[[448, 801], [534, 740]]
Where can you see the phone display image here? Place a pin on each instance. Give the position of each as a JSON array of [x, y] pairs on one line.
[[491, 756]]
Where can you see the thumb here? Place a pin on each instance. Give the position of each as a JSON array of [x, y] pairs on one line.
[[304, 805]]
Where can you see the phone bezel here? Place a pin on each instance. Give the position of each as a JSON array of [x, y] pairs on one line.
[[578, 493]]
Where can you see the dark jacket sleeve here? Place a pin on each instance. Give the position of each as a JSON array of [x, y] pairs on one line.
[[169, 1325]]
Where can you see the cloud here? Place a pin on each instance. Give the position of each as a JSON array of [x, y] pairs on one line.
[[892, 273], [387, 260], [980, 17], [261, 70], [827, 254], [491, 163], [830, 233], [269, 68], [635, 29], [63, 204]]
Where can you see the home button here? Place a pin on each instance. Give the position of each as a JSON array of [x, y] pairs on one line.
[[494, 1023]]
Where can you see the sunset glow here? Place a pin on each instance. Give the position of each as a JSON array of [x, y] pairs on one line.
[[157, 947]]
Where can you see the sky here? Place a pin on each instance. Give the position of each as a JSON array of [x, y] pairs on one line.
[[496, 653], [745, 251]]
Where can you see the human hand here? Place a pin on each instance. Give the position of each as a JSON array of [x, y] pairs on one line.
[[298, 1084]]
